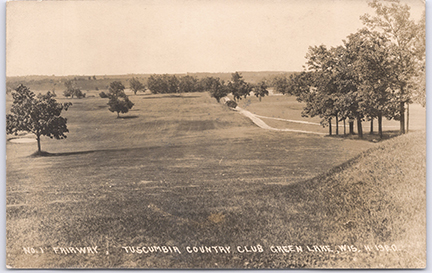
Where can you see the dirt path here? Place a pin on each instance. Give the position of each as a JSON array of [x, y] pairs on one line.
[[264, 125]]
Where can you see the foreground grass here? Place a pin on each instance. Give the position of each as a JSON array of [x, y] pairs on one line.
[[205, 177]]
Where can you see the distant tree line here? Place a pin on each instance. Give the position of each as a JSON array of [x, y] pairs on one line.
[[164, 84], [375, 73], [237, 86]]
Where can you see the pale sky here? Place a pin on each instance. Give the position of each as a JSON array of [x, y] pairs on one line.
[[143, 36]]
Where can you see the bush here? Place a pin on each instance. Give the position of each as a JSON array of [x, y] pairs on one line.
[[71, 92], [103, 95], [79, 94], [67, 93], [231, 104]]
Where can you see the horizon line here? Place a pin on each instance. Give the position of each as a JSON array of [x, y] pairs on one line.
[[175, 73]]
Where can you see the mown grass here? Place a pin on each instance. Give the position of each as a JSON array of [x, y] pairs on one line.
[[187, 171], [287, 107]]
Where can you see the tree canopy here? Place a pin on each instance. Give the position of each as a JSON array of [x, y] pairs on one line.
[[40, 115], [260, 90], [136, 85], [371, 75], [72, 90], [118, 100], [216, 88], [238, 87], [392, 19]]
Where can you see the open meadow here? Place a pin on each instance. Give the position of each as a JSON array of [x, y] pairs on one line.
[[182, 174]]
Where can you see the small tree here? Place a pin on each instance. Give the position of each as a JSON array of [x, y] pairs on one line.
[[118, 101], [72, 90], [238, 87], [136, 85], [39, 115], [217, 88], [260, 90]]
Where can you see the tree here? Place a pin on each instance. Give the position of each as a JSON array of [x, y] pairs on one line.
[[156, 84], [260, 90], [162, 84], [188, 84], [238, 87], [280, 84], [372, 65], [136, 85], [72, 90], [217, 88], [173, 83], [39, 115], [393, 20], [118, 101], [320, 88], [418, 82]]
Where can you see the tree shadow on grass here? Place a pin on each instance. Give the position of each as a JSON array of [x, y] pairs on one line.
[[171, 96], [122, 150], [47, 154], [370, 137], [127, 117]]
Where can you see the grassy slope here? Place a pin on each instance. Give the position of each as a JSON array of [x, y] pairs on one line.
[[377, 198], [188, 172]]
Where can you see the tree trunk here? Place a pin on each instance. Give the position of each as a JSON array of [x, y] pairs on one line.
[[337, 125], [351, 127], [344, 127], [38, 143], [118, 114], [330, 127], [402, 117], [407, 118], [359, 127], [371, 126], [380, 126]]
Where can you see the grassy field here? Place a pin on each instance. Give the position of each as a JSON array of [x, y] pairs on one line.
[[185, 171]]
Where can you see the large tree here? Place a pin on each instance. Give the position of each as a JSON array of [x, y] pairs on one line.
[[371, 64], [39, 115], [392, 19]]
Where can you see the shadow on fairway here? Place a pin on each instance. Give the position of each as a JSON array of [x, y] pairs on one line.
[[127, 117], [171, 96], [122, 150], [370, 137], [43, 153]]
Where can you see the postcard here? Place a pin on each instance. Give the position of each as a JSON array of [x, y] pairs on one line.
[[199, 134]]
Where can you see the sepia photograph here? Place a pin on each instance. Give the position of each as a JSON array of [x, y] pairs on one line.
[[198, 134]]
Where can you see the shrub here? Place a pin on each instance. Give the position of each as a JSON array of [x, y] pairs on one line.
[[231, 104], [103, 95]]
